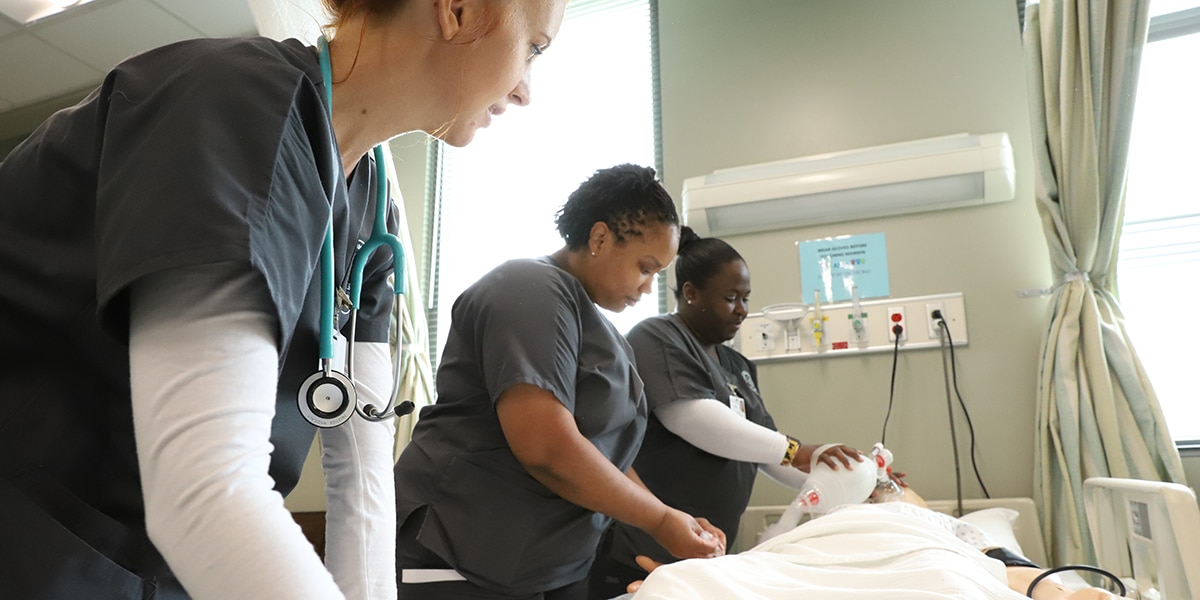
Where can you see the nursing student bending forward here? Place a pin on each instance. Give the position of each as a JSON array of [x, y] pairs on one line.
[[709, 432], [512, 476]]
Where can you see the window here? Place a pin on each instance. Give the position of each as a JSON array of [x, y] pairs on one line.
[[1158, 268], [592, 106]]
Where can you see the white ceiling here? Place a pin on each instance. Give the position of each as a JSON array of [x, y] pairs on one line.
[[72, 51]]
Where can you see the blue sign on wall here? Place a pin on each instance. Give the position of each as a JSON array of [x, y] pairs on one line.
[[834, 266]]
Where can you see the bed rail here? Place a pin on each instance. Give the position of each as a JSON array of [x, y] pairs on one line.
[[1147, 533]]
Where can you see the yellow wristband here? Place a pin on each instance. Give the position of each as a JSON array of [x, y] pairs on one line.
[[793, 447]]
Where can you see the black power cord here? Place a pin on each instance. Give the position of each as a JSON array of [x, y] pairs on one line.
[[897, 329], [952, 374]]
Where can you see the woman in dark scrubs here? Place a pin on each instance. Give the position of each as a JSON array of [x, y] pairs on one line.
[[159, 301], [511, 477], [709, 432]]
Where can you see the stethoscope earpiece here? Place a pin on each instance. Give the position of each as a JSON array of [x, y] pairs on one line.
[[327, 399]]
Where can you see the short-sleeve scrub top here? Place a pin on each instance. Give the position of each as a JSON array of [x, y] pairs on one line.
[[199, 152], [525, 322]]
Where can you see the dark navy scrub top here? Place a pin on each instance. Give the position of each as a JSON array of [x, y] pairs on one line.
[[675, 366], [198, 152], [526, 322]]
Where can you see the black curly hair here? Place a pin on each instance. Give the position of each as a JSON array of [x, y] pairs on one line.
[[626, 197], [700, 258]]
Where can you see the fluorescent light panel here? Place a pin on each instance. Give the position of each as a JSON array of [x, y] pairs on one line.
[[28, 11], [893, 179], [831, 207]]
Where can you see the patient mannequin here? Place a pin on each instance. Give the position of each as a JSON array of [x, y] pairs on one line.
[[1019, 577]]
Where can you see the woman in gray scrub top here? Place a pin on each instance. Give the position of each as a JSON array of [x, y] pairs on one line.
[[160, 301], [513, 474], [709, 432]]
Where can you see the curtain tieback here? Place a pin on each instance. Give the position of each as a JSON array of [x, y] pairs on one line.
[[1070, 276], [1043, 292]]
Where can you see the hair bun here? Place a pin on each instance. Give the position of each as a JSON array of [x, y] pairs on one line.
[[687, 235]]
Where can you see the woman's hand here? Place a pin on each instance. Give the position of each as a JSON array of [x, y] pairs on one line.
[[832, 456], [647, 563], [685, 536]]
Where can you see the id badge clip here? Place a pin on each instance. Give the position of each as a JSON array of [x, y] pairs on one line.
[[736, 402]]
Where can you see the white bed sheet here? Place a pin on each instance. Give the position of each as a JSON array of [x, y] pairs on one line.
[[1013, 522], [857, 552]]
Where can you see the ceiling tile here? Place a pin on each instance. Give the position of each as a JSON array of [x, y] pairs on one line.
[[111, 33], [71, 51], [214, 18], [34, 70]]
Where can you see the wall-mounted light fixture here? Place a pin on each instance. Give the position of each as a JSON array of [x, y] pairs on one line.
[[28, 11], [920, 175]]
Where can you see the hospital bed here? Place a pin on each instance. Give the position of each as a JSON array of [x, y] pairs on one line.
[[1148, 533]]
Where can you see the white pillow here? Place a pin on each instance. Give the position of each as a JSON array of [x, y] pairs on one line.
[[997, 523]]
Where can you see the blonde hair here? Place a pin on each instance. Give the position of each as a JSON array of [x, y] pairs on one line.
[[343, 10]]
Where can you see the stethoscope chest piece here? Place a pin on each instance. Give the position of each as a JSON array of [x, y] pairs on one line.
[[327, 398]]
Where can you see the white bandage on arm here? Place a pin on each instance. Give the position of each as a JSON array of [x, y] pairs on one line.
[[713, 427], [359, 486], [203, 370]]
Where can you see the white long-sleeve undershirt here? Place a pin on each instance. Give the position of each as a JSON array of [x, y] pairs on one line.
[[713, 427], [360, 490], [203, 367]]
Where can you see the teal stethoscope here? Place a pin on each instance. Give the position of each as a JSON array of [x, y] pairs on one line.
[[328, 398]]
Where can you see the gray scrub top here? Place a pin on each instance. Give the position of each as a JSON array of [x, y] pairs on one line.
[[675, 366], [525, 322], [204, 151]]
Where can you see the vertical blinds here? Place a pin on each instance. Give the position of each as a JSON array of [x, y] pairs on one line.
[[593, 105]]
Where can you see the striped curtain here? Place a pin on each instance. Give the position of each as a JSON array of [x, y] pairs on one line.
[[1097, 414]]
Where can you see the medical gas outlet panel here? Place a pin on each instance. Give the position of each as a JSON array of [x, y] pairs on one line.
[[798, 331]]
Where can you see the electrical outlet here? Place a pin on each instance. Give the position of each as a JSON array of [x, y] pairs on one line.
[[935, 332], [896, 317]]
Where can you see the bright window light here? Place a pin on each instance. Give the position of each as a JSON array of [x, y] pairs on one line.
[[592, 107], [1159, 262]]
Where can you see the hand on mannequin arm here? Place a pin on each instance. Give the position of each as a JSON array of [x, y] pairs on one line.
[[544, 438]]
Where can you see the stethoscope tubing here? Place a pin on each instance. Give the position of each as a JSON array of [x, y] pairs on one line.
[[379, 238]]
